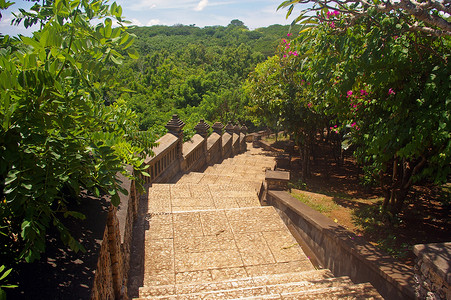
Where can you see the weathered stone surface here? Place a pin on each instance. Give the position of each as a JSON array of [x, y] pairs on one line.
[[209, 238]]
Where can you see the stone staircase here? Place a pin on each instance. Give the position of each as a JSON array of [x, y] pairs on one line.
[[209, 238]]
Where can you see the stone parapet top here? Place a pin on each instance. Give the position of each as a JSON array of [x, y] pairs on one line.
[[164, 143], [438, 255], [192, 144], [277, 175]]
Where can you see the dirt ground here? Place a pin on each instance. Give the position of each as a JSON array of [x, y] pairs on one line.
[[336, 190]]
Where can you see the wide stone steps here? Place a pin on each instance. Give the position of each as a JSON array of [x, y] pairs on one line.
[[267, 280], [209, 238], [242, 289]]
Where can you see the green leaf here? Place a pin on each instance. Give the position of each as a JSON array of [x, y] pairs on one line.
[[133, 54], [5, 274]]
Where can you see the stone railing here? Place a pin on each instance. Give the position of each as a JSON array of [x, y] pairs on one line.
[[433, 271], [171, 157]]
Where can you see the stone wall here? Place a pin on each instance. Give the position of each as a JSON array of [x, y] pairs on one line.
[[433, 271]]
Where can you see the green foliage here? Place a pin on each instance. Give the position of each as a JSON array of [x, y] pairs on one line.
[[3, 282], [57, 136], [389, 86], [194, 72]]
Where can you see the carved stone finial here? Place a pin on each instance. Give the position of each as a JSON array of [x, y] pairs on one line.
[[244, 129], [175, 125], [229, 128], [202, 128], [217, 127], [237, 128]]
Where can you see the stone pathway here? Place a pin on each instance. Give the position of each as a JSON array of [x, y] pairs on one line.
[[209, 238]]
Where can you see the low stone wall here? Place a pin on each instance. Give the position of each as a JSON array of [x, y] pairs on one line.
[[111, 278], [341, 251], [433, 271]]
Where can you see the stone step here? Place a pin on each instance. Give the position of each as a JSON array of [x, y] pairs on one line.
[[170, 198], [207, 178], [358, 291], [329, 288], [274, 282]]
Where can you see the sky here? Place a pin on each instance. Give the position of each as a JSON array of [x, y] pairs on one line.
[[254, 13]]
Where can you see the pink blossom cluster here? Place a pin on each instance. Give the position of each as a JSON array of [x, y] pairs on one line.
[[359, 99], [287, 48], [331, 14]]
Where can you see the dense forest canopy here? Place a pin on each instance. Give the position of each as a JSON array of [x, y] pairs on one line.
[[195, 72]]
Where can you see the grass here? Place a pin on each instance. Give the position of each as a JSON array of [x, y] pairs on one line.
[[361, 216], [318, 203], [280, 137]]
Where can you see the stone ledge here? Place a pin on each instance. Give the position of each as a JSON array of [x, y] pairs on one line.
[[277, 180], [438, 256]]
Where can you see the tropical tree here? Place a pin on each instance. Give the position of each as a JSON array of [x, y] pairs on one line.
[[57, 136], [389, 84]]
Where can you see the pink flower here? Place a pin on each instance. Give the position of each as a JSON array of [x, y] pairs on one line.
[[284, 40], [353, 124], [295, 53], [349, 94], [284, 55], [391, 91], [332, 25], [289, 34], [309, 105], [363, 93], [336, 13]]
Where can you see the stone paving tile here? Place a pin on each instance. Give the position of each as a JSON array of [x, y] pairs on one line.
[[279, 268], [159, 279], [254, 220], [202, 192], [187, 224], [193, 276], [254, 249], [203, 244], [159, 256], [224, 203], [214, 286], [292, 277], [283, 246], [215, 223], [159, 201], [209, 179], [226, 294], [197, 261], [228, 273], [159, 230], [180, 192], [248, 201], [193, 201]]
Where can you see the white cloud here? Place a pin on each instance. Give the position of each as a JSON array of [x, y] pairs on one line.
[[153, 22], [201, 5], [136, 22]]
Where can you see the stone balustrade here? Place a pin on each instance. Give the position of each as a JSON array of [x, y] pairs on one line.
[[170, 157]]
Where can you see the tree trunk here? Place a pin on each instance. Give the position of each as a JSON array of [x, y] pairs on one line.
[[399, 186]]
